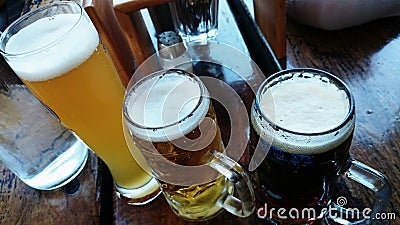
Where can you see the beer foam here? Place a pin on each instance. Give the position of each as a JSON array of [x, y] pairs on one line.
[[162, 101], [42, 50], [304, 105]]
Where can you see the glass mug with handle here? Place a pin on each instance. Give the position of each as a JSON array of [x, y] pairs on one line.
[[57, 53], [306, 117], [170, 118]]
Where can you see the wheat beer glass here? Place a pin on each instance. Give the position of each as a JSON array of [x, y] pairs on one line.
[[311, 114], [170, 118], [57, 53]]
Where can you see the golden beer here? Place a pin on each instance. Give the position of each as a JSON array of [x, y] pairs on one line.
[[75, 78], [171, 119], [88, 99], [196, 202]]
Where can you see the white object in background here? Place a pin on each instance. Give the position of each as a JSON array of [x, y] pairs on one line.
[[339, 14]]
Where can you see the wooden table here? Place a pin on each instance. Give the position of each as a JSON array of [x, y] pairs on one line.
[[366, 57]]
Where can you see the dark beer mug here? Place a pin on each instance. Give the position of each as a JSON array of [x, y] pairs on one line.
[[302, 127]]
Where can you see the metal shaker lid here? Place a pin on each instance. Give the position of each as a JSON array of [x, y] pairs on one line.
[[170, 45]]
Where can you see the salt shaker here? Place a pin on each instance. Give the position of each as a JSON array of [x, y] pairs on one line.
[[172, 52]]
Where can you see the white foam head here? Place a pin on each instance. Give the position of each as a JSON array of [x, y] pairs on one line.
[[305, 105], [51, 46], [166, 102]]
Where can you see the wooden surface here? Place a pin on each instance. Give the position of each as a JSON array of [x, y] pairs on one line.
[[133, 26], [271, 18], [366, 57], [79, 202]]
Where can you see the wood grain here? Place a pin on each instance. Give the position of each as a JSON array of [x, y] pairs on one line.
[[271, 18], [102, 15], [127, 6], [134, 30], [76, 203]]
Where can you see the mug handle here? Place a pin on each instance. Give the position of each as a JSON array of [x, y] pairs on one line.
[[245, 204], [373, 180]]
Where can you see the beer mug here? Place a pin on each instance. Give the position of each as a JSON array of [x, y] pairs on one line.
[[56, 51], [170, 118], [306, 118]]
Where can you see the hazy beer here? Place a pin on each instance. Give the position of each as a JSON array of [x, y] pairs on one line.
[[309, 116], [60, 58], [171, 119]]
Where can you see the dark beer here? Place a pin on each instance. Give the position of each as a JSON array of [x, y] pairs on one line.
[[311, 117]]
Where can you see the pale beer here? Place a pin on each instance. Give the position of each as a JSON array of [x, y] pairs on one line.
[[62, 61], [171, 119], [150, 106]]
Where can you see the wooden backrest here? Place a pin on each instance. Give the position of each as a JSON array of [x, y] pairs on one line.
[[102, 15], [133, 26], [270, 16]]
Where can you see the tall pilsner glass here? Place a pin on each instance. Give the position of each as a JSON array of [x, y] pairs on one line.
[[57, 53]]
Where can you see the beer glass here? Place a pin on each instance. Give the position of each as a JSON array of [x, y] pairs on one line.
[[33, 144], [57, 53], [170, 118], [308, 116], [195, 20]]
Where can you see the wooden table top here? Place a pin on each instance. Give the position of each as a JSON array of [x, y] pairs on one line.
[[366, 58]]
